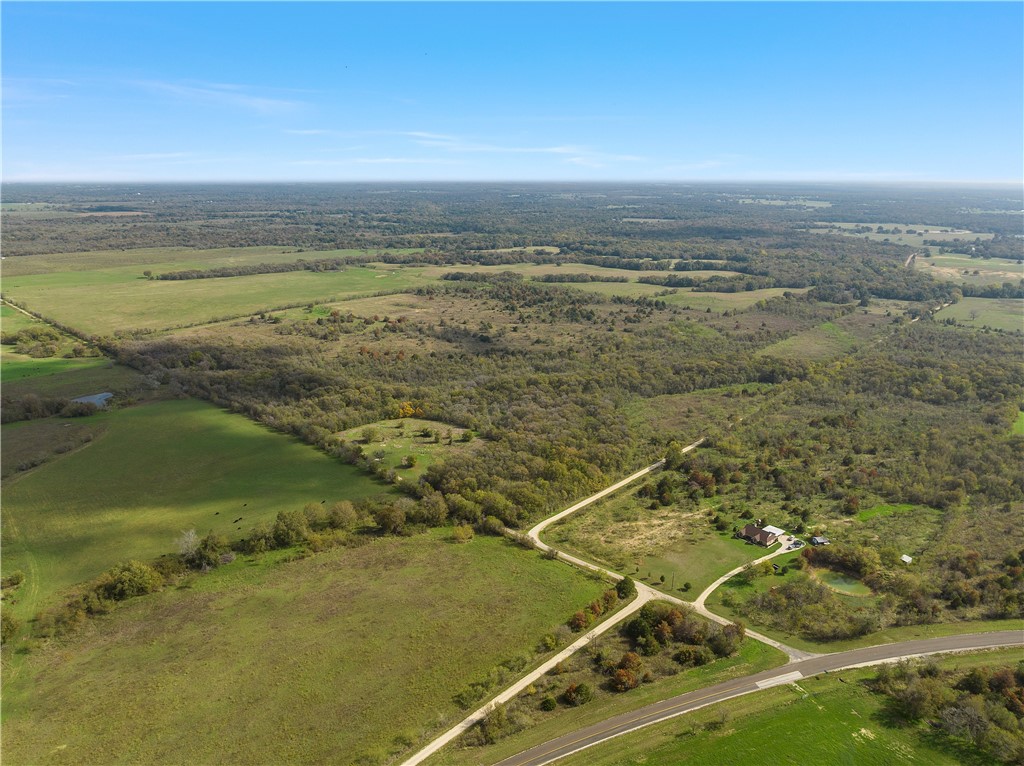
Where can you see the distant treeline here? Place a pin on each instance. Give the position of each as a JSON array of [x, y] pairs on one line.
[[244, 270], [578, 278]]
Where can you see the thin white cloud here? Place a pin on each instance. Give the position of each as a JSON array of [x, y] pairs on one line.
[[238, 96]]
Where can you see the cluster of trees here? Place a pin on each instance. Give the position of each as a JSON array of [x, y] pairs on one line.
[[807, 608], [243, 270], [658, 626], [579, 278], [33, 407], [982, 708]]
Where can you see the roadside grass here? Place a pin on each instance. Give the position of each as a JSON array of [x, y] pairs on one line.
[[826, 341], [153, 472], [752, 657], [830, 718], [998, 313], [103, 301], [396, 440], [624, 535], [347, 656]]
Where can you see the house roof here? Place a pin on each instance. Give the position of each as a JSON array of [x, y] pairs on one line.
[[906, 559], [774, 530]]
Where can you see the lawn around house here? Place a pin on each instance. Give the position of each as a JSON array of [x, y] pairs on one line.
[[155, 471], [344, 656]]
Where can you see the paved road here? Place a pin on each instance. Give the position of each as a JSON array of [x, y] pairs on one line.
[[684, 703]]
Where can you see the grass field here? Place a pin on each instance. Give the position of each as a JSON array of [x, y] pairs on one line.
[[752, 658], [1018, 424], [396, 440], [686, 417], [153, 472], [12, 320], [883, 510], [910, 234], [344, 657], [31, 442], [999, 314], [624, 535], [825, 341], [819, 720], [842, 583], [975, 271], [105, 300]]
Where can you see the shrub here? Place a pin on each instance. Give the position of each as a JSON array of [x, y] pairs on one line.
[[579, 621], [624, 680], [462, 533], [9, 626], [690, 655], [548, 704], [132, 578], [578, 694], [625, 588], [13, 580]]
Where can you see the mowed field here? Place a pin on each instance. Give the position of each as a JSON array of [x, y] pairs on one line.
[[150, 473], [344, 657], [101, 293], [973, 271], [833, 719], [997, 313]]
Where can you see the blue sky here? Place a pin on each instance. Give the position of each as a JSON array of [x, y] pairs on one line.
[[533, 91]]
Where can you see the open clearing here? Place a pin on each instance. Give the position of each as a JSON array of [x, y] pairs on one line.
[[396, 440], [625, 535], [909, 234], [331, 659], [817, 720], [153, 472], [997, 313], [973, 271]]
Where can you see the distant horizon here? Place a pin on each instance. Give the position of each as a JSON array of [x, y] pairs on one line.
[[690, 92]]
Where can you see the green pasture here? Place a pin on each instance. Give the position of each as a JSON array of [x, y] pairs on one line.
[[12, 320], [155, 471], [90, 375], [825, 341], [975, 271], [997, 313], [347, 656], [833, 719], [752, 657], [1018, 424], [395, 440], [103, 301], [163, 259], [15, 367]]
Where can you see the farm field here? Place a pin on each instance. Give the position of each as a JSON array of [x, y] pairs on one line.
[[103, 301], [153, 472], [331, 658], [64, 378], [974, 271], [16, 367], [396, 440], [910, 234], [625, 535], [824, 720], [999, 314]]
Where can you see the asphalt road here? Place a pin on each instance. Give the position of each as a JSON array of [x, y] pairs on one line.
[[684, 703]]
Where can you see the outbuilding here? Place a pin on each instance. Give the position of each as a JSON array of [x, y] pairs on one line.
[[820, 541], [906, 559]]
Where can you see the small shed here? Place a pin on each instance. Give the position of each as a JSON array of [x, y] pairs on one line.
[[820, 541], [906, 559]]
